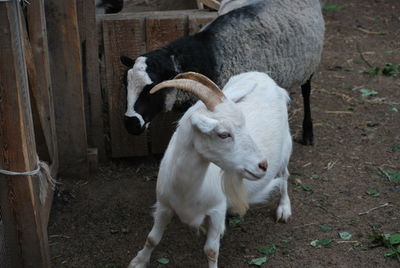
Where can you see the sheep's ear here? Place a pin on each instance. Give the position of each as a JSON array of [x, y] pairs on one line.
[[128, 62], [203, 123]]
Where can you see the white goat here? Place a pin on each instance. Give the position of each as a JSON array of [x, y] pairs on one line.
[[220, 140]]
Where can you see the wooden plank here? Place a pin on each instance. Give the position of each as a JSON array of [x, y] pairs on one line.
[[122, 37], [35, 17], [163, 30], [91, 79], [159, 32], [66, 75], [25, 234], [199, 20]]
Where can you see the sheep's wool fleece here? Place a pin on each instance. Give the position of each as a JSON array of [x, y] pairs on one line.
[[283, 38]]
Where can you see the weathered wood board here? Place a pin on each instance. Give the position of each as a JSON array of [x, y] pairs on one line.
[[67, 81], [133, 34]]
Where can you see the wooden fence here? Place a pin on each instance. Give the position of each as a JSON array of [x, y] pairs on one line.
[[53, 100], [43, 116]]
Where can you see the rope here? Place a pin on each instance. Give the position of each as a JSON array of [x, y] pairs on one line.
[[43, 171], [25, 173]]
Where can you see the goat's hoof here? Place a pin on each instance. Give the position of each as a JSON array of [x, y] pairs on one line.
[[136, 263], [283, 213]]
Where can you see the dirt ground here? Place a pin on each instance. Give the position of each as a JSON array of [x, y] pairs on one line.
[[103, 222]]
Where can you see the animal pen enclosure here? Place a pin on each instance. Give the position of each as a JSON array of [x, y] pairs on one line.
[[53, 102]]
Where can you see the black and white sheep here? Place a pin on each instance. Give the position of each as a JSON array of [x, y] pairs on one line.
[[283, 38]]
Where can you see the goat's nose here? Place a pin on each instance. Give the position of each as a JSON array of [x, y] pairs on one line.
[[263, 165]]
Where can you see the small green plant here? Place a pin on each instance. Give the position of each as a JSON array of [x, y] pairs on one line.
[[391, 241], [163, 260], [366, 92], [321, 243], [372, 192], [395, 148], [268, 250], [258, 261], [373, 70], [235, 222], [326, 228], [332, 8], [388, 70], [345, 235]]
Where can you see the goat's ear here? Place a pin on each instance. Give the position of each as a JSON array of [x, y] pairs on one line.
[[128, 62], [203, 123]]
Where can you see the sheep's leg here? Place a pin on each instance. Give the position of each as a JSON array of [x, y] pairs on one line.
[[284, 210], [308, 136], [162, 216], [216, 229]]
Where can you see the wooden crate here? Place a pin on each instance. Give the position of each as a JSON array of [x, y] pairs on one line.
[[133, 34]]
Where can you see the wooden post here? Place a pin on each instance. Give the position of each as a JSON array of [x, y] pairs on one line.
[[91, 80], [37, 30], [26, 236], [66, 76]]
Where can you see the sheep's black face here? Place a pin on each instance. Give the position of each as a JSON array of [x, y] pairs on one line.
[[143, 74], [146, 107]]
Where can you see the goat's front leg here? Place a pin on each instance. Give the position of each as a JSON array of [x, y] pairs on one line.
[[284, 210], [216, 229], [162, 216]]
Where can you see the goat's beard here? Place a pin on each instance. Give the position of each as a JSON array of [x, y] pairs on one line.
[[235, 191]]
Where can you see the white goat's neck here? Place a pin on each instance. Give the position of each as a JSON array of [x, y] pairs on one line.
[[191, 167]]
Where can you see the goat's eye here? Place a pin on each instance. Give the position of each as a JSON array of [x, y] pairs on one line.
[[224, 135]]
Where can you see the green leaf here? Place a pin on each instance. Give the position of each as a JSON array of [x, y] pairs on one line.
[[390, 70], [331, 8], [258, 261], [326, 228], [315, 177], [394, 109], [348, 69], [235, 221], [373, 192], [395, 148], [394, 239], [393, 175], [267, 250], [163, 260], [366, 92], [345, 235], [321, 243], [307, 188], [391, 254], [373, 71]]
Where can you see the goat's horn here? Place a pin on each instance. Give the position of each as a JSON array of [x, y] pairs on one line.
[[199, 78], [208, 96]]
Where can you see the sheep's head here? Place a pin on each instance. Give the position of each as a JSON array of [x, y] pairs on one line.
[[219, 132], [142, 75]]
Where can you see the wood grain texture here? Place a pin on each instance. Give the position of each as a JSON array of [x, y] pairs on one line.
[[67, 82], [198, 21], [122, 37], [20, 208], [91, 80]]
